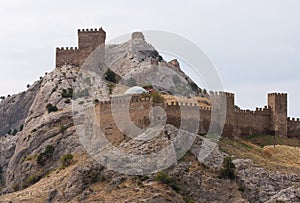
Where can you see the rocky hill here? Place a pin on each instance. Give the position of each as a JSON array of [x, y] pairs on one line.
[[14, 109], [33, 170]]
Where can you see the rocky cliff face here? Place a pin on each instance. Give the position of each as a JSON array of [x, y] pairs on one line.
[[139, 60], [14, 109]]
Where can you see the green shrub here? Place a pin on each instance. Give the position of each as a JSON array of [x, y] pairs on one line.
[[110, 76], [164, 178], [45, 156], [15, 131], [66, 160], [15, 187], [227, 170], [68, 101], [21, 127], [111, 88], [67, 93], [81, 93], [242, 189], [62, 129], [32, 179], [188, 199], [31, 157], [51, 108]]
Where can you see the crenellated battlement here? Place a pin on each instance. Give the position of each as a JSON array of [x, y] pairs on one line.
[[91, 30], [66, 48], [222, 93], [278, 94], [244, 111], [182, 104], [293, 119]]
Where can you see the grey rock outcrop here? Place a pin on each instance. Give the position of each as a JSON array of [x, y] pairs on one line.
[[14, 109], [261, 185]]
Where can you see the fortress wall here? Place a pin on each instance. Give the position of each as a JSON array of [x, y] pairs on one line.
[[293, 127], [173, 114], [68, 55], [138, 114], [243, 122], [262, 123], [205, 119], [184, 116], [238, 123], [252, 122]]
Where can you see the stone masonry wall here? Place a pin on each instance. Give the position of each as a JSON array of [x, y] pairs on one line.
[[293, 127]]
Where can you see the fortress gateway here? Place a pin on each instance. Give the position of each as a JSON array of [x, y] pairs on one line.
[[272, 119]]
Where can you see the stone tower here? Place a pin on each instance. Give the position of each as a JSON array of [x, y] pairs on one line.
[[223, 103], [89, 40], [278, 104]]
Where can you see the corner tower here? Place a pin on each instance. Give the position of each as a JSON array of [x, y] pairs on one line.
[[278, 104]]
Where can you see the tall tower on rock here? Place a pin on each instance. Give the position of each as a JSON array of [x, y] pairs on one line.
[[278, 104]]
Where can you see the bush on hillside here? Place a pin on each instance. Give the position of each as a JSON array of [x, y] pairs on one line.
[[164, 178], [66, 160], [227, 170], [50, 108], [45, 156]]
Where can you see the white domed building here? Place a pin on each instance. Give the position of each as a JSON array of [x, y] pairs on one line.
[[135, 90]]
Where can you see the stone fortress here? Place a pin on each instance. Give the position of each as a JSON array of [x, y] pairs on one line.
[[272, 119]]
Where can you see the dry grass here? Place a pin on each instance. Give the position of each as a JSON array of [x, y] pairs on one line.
[[264, 140], [280, 158], [38, 192]]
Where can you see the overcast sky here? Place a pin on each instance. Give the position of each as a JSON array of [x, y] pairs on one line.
[[255, 44]]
